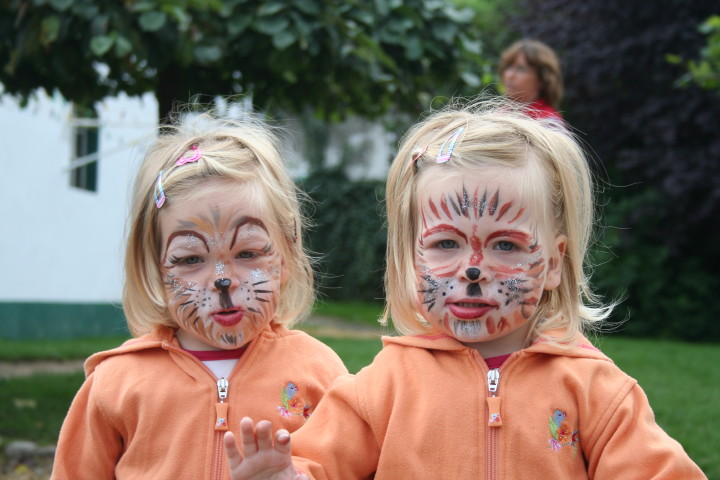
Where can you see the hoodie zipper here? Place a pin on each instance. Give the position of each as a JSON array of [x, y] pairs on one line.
[[494, 422], [221, 426]]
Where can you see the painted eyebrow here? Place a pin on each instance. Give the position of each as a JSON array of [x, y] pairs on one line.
[[514, 234], [245, 221], [186, 233], [444, 227]]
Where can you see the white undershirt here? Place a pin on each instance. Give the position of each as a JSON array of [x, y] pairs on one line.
[[221, 368]]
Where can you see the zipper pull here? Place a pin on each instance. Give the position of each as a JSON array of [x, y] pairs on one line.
[[493, 379], [222, 386], [221, 408], [493, 401]]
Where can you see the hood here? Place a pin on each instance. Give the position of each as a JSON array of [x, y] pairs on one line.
[[161, 337]]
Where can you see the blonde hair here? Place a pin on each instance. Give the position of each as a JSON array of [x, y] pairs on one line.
[[246, 151], [544, 60], [551, 170]]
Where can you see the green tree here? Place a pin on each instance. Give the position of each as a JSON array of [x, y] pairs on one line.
[[705, 71], [335, 56]]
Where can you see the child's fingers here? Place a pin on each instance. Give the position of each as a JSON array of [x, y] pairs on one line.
[[231, 450], [282, 442], [263, 435], [247, 436]]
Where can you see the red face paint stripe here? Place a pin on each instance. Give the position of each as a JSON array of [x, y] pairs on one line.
[[476, 205], [433, 208], [511, 234], [477, 255], [444, 227], [518, 215], [444, 206], [503, 209]]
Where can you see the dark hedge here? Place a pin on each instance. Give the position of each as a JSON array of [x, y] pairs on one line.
[[659, 145]]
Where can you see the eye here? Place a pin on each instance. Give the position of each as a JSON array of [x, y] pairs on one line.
[[505, 246], [447, 244], [246, 254], [189, 260]]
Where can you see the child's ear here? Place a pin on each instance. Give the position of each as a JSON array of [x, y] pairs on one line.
[[555, 263], [284, 273]]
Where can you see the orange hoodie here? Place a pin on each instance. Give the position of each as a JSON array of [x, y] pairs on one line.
[[425, 409], [150, 410]]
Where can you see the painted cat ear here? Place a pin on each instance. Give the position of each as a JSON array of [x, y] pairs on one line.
[[444, 156]]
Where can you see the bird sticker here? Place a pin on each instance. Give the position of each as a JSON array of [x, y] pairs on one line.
[[561, 434], [292, 402]]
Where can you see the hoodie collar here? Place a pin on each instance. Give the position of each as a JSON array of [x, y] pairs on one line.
[[583, 348], [162, 337]]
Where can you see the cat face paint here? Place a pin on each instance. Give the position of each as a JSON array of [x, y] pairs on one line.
[[221, 270], [480, 263]]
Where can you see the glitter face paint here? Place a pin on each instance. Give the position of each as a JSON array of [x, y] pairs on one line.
[[481, 267], [221, 269]]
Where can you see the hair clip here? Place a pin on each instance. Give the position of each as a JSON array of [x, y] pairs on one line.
[[444, 157], [419, 154], [190, 156], [159, 194]]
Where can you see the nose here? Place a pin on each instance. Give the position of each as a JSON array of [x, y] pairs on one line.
[[472, 273], [477, 273], [223, 284]]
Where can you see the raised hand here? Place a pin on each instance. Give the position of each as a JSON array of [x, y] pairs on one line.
[[260, 458]]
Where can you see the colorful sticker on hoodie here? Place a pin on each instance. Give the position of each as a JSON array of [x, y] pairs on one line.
[[561, 433], [292, 402]]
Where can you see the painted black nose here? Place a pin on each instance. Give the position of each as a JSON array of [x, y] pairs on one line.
[[473, 273], [222, 283]]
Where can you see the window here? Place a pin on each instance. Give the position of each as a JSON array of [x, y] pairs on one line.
[[84, 165]]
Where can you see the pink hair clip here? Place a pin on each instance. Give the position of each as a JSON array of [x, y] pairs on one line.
[[159, 193], [190, 156], [444, 157], [419, 154]]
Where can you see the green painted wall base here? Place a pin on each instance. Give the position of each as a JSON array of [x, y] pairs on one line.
[[33, 320]]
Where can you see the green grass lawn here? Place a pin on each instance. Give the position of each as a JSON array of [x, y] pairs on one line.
[[363, 313], [682, 381]]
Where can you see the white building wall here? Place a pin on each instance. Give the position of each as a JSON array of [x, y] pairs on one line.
[[64, 244]]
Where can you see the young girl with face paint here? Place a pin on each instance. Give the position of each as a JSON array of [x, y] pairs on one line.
[[489, 219], [216, 273]]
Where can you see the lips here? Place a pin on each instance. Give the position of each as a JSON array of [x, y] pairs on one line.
[[229, 316], [470, 310]]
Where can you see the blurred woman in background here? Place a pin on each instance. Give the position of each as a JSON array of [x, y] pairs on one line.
[[531, 74]]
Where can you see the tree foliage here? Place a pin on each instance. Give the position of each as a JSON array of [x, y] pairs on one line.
[[334, 56], [704, 71], [349, 235], [658, 143]]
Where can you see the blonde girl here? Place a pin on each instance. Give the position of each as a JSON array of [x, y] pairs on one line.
[[216, 274], [490, 213]]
